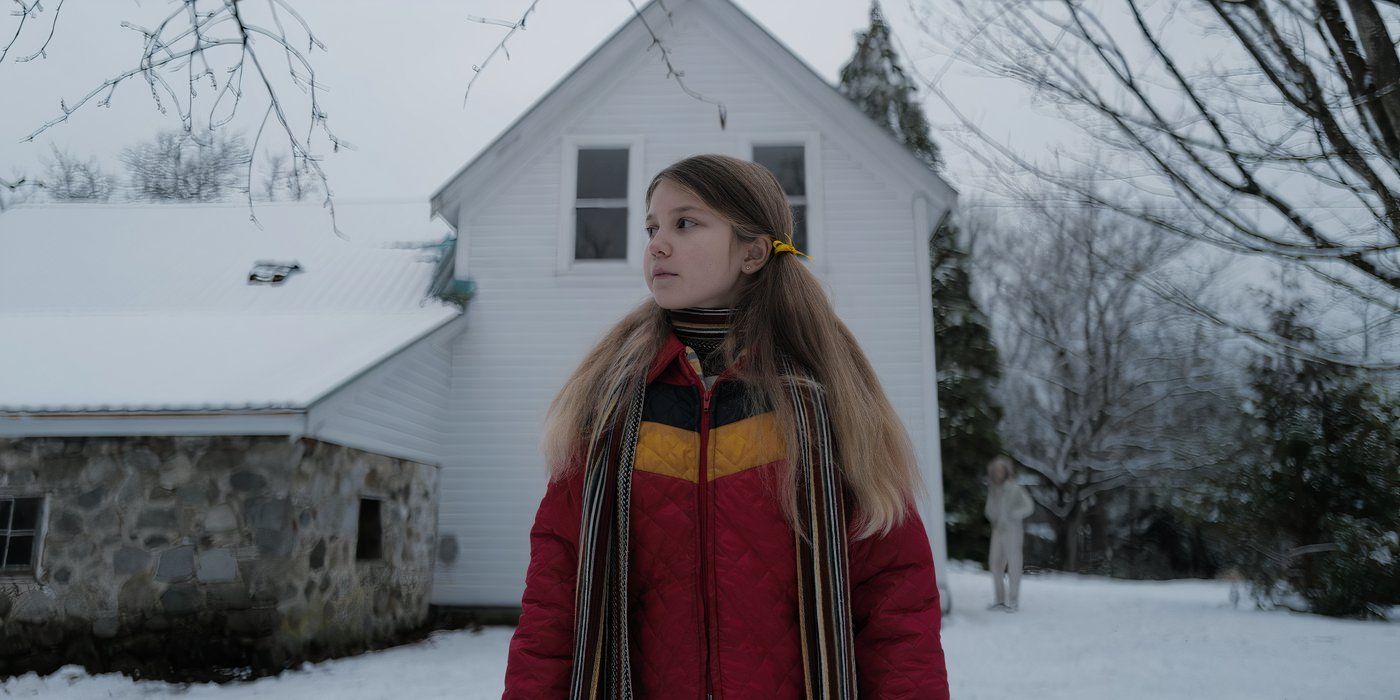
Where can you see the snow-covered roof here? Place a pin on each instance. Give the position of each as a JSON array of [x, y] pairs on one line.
[[150, 307]]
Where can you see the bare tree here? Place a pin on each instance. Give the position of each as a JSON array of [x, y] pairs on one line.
[[1104, 385], [273, 178], [1262, 128], [178, 50], [67, 177], [298, 182], [285, 178], [178, 165], [222, 42]]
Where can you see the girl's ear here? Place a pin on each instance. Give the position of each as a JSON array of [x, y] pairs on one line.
[[756, 253]]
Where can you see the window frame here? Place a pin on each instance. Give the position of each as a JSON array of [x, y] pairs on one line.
[[566, 264], [359, 508], [811, 157], [35, 569]]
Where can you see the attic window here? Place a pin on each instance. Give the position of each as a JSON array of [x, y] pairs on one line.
[[269, 272], [600, 204], [789, 165]]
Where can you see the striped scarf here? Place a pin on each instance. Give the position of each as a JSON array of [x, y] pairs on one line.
[[703, 330], [602, 661]]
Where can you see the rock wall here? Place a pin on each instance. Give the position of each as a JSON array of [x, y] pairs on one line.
[[166, 556]]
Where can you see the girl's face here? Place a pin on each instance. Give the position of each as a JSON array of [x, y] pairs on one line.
[[693, 257]]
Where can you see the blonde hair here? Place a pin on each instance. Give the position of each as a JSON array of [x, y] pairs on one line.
[[784, 307]]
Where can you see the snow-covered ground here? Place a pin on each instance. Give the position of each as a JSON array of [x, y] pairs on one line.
[[1074, 637]]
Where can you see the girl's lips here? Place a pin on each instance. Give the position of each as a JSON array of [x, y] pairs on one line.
[[664, 275]]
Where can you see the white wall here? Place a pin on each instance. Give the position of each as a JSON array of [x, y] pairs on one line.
[[530, 323], [398, 408]]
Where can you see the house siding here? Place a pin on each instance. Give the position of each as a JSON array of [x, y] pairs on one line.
[[396, 408], [531, 323]]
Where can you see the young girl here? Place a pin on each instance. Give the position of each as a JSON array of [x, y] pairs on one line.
[[730, 512]]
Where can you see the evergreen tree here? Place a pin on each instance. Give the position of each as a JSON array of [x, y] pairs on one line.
[[967, 359], [968, 415], [1317, 510], [877, 84]]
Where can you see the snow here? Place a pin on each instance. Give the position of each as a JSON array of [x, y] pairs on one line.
[[191, 362], [1079, 637], [149, 306]]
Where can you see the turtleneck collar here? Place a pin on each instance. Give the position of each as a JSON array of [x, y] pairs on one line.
[[703, 329]]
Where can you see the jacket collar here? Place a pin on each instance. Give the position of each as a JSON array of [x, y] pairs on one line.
[[670, 350]]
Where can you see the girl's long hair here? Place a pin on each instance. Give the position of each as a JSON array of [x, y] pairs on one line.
[[783, 306]]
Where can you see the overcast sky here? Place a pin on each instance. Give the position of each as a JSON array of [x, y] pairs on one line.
[[395, 74]]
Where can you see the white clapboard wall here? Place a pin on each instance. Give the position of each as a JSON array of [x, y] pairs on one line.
[[871, 208]]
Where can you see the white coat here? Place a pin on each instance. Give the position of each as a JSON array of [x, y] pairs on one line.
[[1008, 503]]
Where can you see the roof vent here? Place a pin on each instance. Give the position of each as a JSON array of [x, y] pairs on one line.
[[270, 272]]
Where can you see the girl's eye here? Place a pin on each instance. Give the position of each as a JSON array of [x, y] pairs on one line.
[[651, 230]]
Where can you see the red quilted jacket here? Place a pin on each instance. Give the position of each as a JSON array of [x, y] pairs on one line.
[[713, 581]]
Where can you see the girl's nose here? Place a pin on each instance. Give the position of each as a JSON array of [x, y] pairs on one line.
[[656, 247]]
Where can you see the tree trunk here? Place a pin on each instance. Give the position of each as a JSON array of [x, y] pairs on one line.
[[1067, 540], [1381, 59]]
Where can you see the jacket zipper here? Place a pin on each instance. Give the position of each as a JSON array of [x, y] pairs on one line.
[[705, 394], [703, 483], [703, 492]]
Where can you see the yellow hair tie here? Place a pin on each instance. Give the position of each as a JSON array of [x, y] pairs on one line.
[[782, 246]]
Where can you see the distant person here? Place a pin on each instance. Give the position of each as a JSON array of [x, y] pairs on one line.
[[1008, 503]]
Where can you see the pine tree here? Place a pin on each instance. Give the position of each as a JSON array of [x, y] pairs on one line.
[[967, 359], [968, 415], [1317, 510], [877, 84]]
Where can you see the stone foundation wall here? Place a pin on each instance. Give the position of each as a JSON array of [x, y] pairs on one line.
[[209, 552]]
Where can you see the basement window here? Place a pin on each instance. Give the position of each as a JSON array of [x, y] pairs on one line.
[[370, 533], [19, 525]]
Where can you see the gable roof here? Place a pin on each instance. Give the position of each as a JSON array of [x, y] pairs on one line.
[[512, 150], [150, 307]]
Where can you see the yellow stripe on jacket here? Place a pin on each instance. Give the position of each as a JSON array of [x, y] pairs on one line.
[[734, 447]]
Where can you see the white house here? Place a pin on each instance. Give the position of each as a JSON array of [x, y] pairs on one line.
[[146, 310], [547, 285], [199, 405], [216, 431]]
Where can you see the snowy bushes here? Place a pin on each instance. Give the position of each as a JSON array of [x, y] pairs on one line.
[[1315, 509], [1362, 575]]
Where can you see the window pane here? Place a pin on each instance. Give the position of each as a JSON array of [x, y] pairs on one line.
[[26, 514], [369, 537], [5, 514], [602, 173], [799, 227], [787, 163], [600, 234], [21, 548]]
